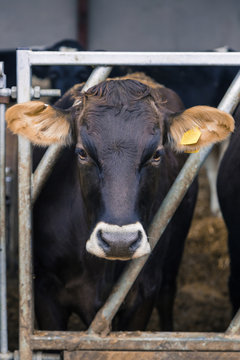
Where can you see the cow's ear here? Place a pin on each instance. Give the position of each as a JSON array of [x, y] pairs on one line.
[[41, 124], [197, 127]]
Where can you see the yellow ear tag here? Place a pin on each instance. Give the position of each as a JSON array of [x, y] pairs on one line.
[[191, 136]]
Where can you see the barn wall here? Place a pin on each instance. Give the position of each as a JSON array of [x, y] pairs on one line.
[[163, 25], [31, 22]]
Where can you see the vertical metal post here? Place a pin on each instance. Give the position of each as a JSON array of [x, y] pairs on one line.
[[3, 267], [24, 209]]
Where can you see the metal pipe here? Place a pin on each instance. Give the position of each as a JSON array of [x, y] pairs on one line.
[[234, 327], [102, 321], [36, 92], [25, 277], [50, 157], [24, 210], [36, 356], [135, 341], [3, 266], [133, 58]]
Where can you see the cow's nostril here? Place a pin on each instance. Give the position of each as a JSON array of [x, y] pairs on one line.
[[119, 244], [102, 241], [136, 242]]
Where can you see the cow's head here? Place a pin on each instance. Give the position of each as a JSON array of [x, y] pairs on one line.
[[120, 130]]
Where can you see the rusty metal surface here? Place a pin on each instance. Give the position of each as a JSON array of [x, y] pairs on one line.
[[4, 99], [150, 355], [102, 321], [135, 341], [24, 209], [43, 170], [36, 356], [3, 265]]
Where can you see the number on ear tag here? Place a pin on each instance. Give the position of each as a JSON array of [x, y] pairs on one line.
[[191, 136]]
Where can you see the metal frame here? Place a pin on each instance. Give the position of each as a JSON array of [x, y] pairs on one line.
[[3, 266], [96, 338]]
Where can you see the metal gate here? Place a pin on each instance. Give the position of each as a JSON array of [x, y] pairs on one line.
[[98, 342]]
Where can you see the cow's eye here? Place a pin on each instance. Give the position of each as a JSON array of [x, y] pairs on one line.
[[81, 154], [157, 155]]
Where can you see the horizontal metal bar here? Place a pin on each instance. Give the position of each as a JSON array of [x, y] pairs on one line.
[[102, 322], [36, 356], [132, 58], [151, 341], [150, 355], [36, 92], [47, 92]]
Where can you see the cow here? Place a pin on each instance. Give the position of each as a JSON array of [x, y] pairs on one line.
[[229, 198], [123, 145]]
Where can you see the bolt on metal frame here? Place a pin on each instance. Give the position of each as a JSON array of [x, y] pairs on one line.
[[31, 340]]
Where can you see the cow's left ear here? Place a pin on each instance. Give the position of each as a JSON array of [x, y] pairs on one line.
[[42, 124], [197, 127]]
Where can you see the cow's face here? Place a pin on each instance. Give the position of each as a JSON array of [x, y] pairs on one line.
[[120, 128], [119, 151]]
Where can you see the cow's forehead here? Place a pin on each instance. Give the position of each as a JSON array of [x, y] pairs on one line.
[[130, 125]]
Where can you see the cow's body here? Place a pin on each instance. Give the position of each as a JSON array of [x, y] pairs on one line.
[[104, 191], [79, 282], [60, 238], [229, 199]]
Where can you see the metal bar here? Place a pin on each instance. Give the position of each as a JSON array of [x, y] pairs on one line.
[[36, 356], [149, 355], [48, 339], [24, 209], [102, 321], [234, 327], [133, 58], [135, 341], [37, 92], [3, 266], [47, 162], [34, 91]]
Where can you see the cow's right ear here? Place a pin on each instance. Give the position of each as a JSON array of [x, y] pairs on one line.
[[42, 124]]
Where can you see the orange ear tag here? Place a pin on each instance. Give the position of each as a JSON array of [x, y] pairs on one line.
[[191, 136]]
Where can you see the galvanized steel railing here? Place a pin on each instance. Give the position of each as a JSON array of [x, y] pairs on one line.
[[30, 340], [3, 266]]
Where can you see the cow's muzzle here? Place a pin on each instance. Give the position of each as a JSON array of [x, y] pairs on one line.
[[115, 242]]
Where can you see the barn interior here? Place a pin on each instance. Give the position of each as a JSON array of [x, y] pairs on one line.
[[202, 302]]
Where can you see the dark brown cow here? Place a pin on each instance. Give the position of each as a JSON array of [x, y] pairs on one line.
[[228, 185], [122, 141]]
